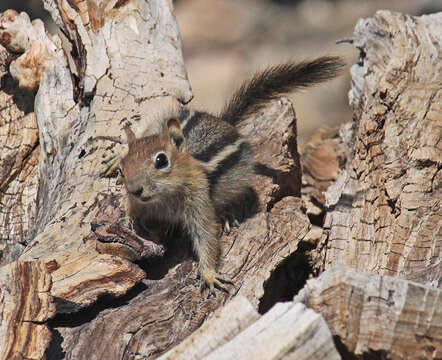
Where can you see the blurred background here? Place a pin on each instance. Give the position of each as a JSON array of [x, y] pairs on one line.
[[226, 41]]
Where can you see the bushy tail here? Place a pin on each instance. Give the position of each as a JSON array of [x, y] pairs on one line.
[[253, 95]]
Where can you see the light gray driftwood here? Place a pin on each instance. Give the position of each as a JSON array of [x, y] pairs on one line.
[[287, 331]]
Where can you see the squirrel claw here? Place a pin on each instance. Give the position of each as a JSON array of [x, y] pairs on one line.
[[227, 225], [128, 222], [211, 280]]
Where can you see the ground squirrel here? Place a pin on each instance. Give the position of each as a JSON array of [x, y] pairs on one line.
[[198, 165]]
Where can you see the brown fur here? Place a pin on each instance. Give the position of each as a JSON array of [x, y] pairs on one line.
[[176, 194], [211, 165], [232, 182]]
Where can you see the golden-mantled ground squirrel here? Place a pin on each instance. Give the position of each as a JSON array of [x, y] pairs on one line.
[[198, 165]]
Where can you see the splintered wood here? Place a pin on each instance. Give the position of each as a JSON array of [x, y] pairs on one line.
[[26, 304], [287, 331], [373, 313], [72, 248], [383, 212], [236, 331]]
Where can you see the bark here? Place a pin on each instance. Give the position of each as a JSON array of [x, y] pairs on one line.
[[287, 331], [109, 293], [383, 211], [375, 315], [80, 229]]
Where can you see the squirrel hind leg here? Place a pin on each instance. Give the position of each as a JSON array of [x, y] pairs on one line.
[[234, 209], [233, 197], [228, 220]]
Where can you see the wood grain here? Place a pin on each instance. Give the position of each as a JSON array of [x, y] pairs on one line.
[[383, 211], [85, 285], [372, 313], [26, 305]]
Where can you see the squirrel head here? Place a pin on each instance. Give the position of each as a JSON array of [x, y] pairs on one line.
[[154, 165]]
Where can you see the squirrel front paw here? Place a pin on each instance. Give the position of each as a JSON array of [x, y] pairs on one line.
[[210, 279]]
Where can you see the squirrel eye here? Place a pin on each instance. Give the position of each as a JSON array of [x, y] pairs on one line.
[[161, 161]]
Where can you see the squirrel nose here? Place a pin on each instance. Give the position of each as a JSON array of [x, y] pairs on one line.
[[136, 191]]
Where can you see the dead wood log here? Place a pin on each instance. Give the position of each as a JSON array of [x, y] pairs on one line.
[[378, 316], [383, 212], [287, 331], [382, 204], [121, 62], [83, 99]]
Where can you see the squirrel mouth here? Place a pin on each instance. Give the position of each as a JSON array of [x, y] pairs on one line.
[[145, 198]]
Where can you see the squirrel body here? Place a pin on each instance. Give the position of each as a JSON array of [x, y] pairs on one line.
[[198, 166]]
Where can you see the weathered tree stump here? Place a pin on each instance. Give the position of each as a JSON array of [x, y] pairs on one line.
[[373, 314], [78, 283], [383, 211]]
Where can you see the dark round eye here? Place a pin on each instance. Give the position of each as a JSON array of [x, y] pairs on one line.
[[161, 161]]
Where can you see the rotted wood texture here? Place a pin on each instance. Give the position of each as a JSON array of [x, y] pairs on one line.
[[105, 292], [373, 314], [27, 304], [80, 229], [287, 331], [383, 211]]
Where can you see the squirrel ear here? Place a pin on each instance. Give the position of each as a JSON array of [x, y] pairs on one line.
[[173, 129], [129, 134]]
